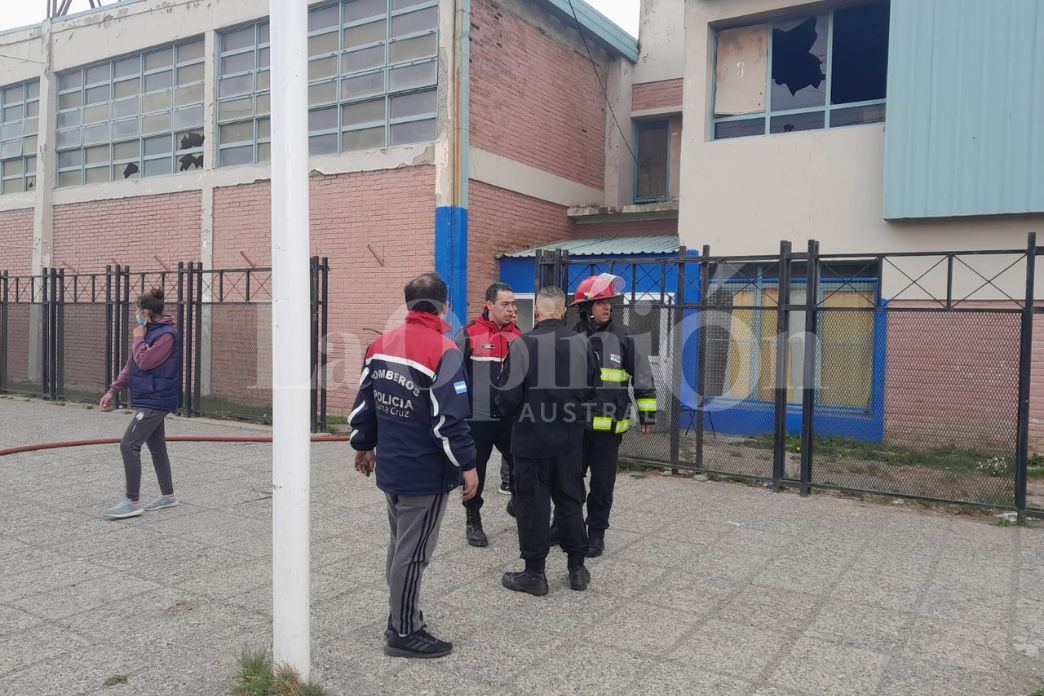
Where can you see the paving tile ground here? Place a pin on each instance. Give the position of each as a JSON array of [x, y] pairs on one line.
[[714, 589]]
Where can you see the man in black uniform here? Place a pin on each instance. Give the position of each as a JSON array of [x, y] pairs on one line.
[[622, 360], [549, 375]]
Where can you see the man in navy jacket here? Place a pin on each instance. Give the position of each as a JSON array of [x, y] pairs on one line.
[[410, 424]]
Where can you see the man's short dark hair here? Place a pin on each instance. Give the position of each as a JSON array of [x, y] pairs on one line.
[[426, 293], [495, 289]]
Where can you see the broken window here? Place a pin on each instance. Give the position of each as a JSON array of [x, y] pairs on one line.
[[659, 160], [819, 71], [120, 119]]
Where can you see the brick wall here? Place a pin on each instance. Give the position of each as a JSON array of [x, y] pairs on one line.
[[665, 94], [500, 220], [392, 211], [627, 229], [129, 231], [952, 379], [16, 241], [533, 99]]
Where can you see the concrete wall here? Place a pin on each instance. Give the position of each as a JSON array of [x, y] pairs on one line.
[[743, 195], [661, 41]]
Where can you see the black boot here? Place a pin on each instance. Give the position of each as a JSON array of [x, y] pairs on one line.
[[473, 528], [579, 578], [526, 581], [595, 544]]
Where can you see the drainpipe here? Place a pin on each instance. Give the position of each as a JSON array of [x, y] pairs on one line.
[[451, 194]]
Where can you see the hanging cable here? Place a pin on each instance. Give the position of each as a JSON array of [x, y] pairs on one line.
[[605, 92]]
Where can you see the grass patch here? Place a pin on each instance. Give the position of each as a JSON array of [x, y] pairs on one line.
[[115, 680], [257, 676], [949, 458]]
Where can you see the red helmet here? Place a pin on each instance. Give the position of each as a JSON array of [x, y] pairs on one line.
[[604, 286]]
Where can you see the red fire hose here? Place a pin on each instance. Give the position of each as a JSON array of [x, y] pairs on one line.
[[173, 438]]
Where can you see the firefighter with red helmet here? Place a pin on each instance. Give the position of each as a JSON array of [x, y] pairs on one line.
[[623, 360]]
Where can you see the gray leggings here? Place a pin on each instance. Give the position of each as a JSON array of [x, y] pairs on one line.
[[146, 428]]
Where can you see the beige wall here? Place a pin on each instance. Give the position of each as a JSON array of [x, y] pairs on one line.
[[661, 50], [743, 195]]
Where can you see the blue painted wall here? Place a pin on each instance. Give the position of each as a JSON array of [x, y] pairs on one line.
[[965, 125]]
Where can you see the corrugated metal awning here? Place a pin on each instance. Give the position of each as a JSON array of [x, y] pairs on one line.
[[610, 246]]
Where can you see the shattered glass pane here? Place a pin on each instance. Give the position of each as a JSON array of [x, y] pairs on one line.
[[799, 55], [860, 60]]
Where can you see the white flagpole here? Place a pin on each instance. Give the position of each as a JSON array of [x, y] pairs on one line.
[[291, 370]]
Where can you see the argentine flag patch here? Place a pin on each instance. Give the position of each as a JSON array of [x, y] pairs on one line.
[[460, 387]]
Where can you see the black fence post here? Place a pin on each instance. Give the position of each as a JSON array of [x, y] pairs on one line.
[[125, 314], [1025, 374], [677, 348], [109, 376], [4, 308], [59, 357], [808, 374], [197, 352], [706, 270], [116, 331], [324, 330], [779, 450], [313, 348], [187, 342], [45, 342], [181, 329]]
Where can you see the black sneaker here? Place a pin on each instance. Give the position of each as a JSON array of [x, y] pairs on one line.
[[420, 643], [533, 583], [579, 578], [595, 546], [473, 528], [505, 488]]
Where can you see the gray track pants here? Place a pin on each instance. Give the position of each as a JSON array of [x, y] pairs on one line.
[[414, 522], [146, 428]]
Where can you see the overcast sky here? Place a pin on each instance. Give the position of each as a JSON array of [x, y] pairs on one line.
[[16, 13]]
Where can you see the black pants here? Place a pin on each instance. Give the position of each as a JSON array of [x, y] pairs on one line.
[[535, 483], [146, 428], [488, 434], [601, 451]]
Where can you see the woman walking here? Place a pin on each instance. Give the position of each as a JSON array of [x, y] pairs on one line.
[[153, 374]]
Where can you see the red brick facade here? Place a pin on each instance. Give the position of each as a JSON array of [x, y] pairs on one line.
[[534, 100], [378, 231], [952, 379], [665, 94], [500, 220], [16, 241], [626, 229], [128, 231]]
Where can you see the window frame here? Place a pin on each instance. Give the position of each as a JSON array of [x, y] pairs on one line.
[[827, 109], [869, 285], [665, 120], [340, 76], [26, 178]]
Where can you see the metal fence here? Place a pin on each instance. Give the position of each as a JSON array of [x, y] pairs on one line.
[[67, 336], [902, 374]]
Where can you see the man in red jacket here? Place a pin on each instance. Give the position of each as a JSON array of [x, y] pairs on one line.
[[484, 343]]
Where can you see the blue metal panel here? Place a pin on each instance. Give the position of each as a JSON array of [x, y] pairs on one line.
[[451, 259], [965, 107], [598, 26]]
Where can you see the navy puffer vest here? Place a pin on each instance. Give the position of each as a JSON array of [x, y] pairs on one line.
[[160, 387]]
